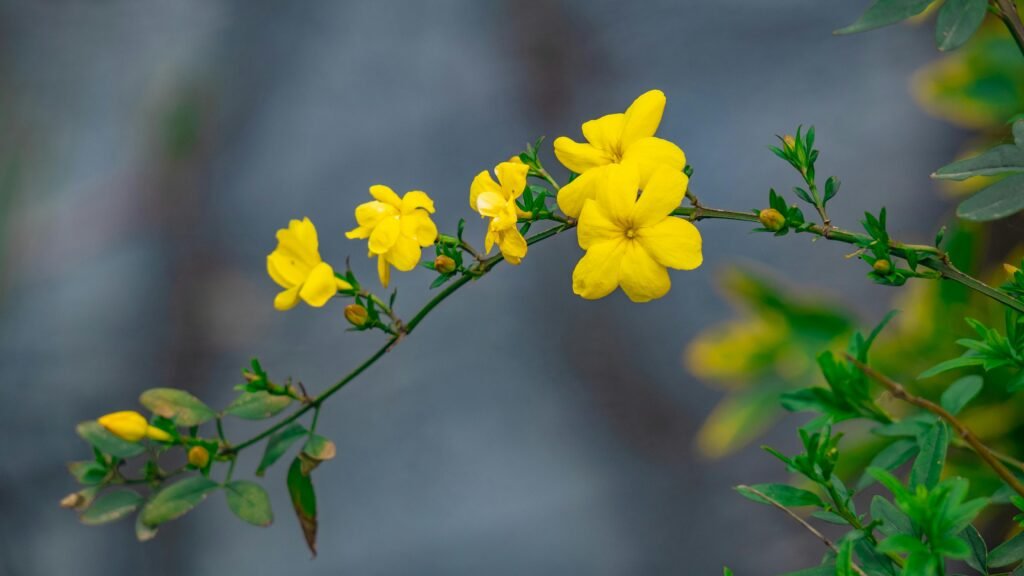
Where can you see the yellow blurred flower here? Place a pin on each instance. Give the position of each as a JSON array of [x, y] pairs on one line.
[[497, 201], [296, 266], [616, 139], [132, 426], [630, 241], [397, 228], [1011, 270]]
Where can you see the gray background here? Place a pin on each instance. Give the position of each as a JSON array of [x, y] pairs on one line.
[[553, 438]]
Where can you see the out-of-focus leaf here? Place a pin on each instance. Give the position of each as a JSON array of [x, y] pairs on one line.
[[884, 13], [931, 457], [249, 501], [106, 442], [1008, 552], [958, 20], [177, 499], [961, 392], [179, 406], [257, 405], [1002, 199], [278, 445], [111, 506]]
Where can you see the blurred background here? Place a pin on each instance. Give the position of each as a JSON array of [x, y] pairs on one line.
[[149, 151]]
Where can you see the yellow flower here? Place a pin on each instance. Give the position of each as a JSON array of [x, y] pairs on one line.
[[630, 241], [296, 266], [132, 426], [397, 228], [1011, 270], [616, 139], [497, 201]]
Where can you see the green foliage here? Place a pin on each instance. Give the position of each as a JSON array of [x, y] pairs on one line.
[[257, 405], [111, 506], [990, 351], [958, 20], [178, 406], [300, 489], [249, 501], [278, 444], [106, 442], [1003, 198], [884, 13], [176, 500]]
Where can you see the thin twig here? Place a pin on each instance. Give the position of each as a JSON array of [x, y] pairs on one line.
[[1011, 18], [986, 454], [817, 534]]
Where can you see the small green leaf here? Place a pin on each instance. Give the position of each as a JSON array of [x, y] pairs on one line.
[[784, 494], [931, 457], [889, 458], [893, 520], [179, 406], [176, 499], [87, 472], [278, 445], [111, 506], [1002, 199], [978, 558], [249, 501], [1008, 552], [143, 533], [258, 405], [300, 488], [961, 392], [106, 442], [959, 362], [844, 559], [1003, 159], [958, 20], [884, 13]]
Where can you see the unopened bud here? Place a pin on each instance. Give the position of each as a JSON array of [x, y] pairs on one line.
[[198, 457], [1011, 270], [772, 219], [789, 142], [882, 267], [444, 264], [356, 315], [73, 500], [126, 425]]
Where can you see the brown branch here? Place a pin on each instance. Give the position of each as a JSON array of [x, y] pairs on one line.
[[817, 534], [986, 454]]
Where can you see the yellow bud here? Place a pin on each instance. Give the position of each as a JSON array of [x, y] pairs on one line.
[[1011, 270], [882, 267], [154, 433], [444, 264], [73, 500], [198, 456], [789, 142], [356, 315], [772, 219], [126, 425]]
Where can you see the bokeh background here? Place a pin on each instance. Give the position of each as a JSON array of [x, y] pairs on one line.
[[149, 150]]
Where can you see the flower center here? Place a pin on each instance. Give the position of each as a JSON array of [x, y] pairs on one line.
[[630, 233]]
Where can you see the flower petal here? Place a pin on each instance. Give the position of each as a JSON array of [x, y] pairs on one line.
[[490, 204], [512, 177], [405, 254], [643, 117], [580, 157], [647, 154], [369, 214], [663, 194], [595, 226], [605, 132], [286, 270], [419, 227], [513, 246], [320, 286], [287, 299], [572, 196], [597, 273], [641, 278], [415, 200], [305, 233], [384, 235], [616, 193], [482, 183], [385, 195], [383, 270], [673, 242]]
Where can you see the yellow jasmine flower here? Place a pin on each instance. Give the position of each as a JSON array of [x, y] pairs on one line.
[[630, 240], [616, 139], [497, 201], [132, 426], [397, 228], [296, 266]]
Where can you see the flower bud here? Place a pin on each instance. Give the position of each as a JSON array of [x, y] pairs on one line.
[[154, 433], [356, 315], [444, 264], [126, 425], [198, 457], [73, 500], [882, 267], [772, 219], [789, 142]]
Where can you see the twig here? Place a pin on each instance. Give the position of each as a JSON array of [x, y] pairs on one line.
[[986, 454], [817, 534]]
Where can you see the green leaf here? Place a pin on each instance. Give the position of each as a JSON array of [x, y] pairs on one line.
[[958, 21], [106, 442], [143, 533], [844, 559], [249, 501], [179, 406], [258, 405], [784, 494], [177, 499], [278, 445], [889, 458], [952, 364], [893, 520], [111, 506], [88, 472], [319, 448], [1008, 552], [978, 558], [300, 488], [1002, 199], [1003, 159], [884, 13], [961, 392], [931, 458]]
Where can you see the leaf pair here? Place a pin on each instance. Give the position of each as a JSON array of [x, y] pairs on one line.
[[958, 19]]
